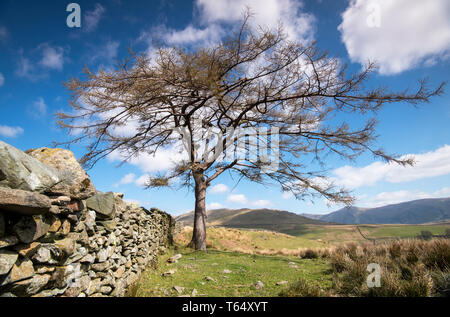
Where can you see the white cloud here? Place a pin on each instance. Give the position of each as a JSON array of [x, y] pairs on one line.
[[213, 206], [216, 19], [298, 25], [237, 198], [92, 18], [389, 198], [10, 132], [287, 195], [410, 32], [262, 203], [127, 179], [218, 189], [38, 109], [2, 79], [26, 69], [163, 160], [3, 33], [52, 57], [209, 35], [142, 180], [105, 53], [430, 164]]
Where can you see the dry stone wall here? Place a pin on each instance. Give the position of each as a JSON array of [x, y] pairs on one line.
[[61, 237]]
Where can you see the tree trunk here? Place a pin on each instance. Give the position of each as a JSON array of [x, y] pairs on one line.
[[199, 234]]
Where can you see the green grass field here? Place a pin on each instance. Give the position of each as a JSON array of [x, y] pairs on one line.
[[246, 270], [311, 236]]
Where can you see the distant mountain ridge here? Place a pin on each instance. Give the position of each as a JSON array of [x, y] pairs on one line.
[[410, 212], [268, 219]]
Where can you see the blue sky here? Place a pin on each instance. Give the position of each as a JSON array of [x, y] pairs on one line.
[[410, 40]]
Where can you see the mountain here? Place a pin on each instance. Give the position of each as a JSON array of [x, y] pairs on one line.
[[410, 212], [268, 219]]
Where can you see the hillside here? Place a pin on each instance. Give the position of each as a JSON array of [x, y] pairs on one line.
[[411, 212], [268, 219]]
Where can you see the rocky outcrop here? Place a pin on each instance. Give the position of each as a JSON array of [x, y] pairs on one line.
[[20, 171], [55, 243], [75, 182]]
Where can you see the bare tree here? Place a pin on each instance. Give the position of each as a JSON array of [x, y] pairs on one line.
[[252, 80]]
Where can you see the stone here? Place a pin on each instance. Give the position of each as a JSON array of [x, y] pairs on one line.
[[27, 250], [209, 278], [48, 253], [103, 204], [179, 289], [44, 269], [119, 272], [89, 258], [55, 210], [72, 218], [80, 253], [21, 171], [226, 271], [109, 225], [75, 181], [66, 276], [50, 293], [170, 272], [194, 292], [8, 241], [56, 224], [174, 259], [105, 290], [7, 260], [60, 200], [75, 205], [31, 228], [102, 255], [281, 283], [23, 202], [30, 286], [21, 270], [259, 285], [66, 245], [65, 227], [100, 267], [90, 221]]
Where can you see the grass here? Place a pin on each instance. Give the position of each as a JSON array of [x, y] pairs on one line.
[[402, 231], [246, 270], [319, 262]]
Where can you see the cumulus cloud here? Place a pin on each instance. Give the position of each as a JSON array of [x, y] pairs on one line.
[[93, 17], [430, 164], [215, 19], [3, 33], [2, 79], [214, 206], [127, 179], [163, 160], [262, 203], [52, 57], [237, 198], [26, 69], [210, 34], [105, 53], [38, 108], [219, 189], [10, 132], [395, 197], [398, 35], [298, 25]]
